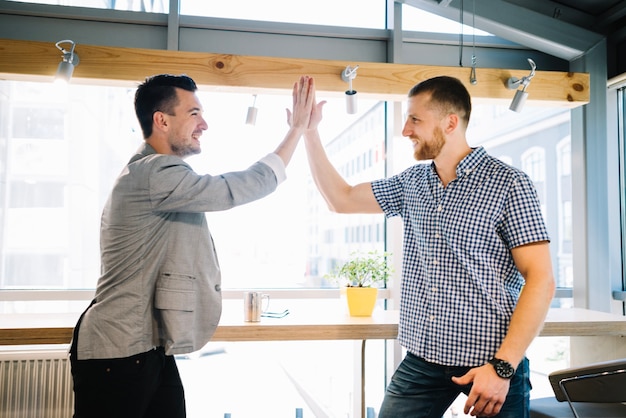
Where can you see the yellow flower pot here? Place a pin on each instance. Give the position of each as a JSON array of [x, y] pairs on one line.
[[361, 300]]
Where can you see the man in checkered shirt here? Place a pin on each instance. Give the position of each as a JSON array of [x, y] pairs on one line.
[[474, 236]]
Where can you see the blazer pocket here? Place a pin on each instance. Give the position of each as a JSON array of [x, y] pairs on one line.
[[175, 291], [175, 302]]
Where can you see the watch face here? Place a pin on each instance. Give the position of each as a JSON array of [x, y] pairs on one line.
[[503, 368]]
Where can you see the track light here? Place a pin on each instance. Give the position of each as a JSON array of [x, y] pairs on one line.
[[520, 95], [251, 115], [348, 75], [70, 60]]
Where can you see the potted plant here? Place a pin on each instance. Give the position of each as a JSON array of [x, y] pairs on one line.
[[361, 276]]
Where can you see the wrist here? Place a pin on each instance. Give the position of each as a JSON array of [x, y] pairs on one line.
[[503, 368], [297, 130], [310, 132]]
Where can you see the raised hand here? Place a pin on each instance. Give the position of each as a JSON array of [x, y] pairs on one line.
[[316, 111], [303, 100]]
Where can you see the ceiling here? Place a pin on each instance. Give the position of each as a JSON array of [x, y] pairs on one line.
[[605, 17]]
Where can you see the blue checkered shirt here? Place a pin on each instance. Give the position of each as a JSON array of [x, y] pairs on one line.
[[459, 282]]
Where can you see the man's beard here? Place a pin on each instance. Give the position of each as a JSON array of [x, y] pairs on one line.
[[428, 150], [182, 149]]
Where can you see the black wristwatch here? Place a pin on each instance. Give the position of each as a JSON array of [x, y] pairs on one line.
[[503, 368]]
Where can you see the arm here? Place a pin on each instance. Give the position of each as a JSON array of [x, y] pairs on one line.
[[534, 263], [489, 391], [339, 195]]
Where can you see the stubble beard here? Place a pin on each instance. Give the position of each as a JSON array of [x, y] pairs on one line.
[[430, 149], [184, 148]]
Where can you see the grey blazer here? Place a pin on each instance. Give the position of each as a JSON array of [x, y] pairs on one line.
[[160, 279]]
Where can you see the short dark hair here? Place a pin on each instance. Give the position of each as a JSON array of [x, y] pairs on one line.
[[447, 94], [158, 94]]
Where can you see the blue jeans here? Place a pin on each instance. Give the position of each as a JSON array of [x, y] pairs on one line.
[[419, 389]]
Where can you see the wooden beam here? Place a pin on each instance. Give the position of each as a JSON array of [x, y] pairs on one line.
[[224, 72]]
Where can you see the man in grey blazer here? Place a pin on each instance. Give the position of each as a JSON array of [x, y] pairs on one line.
[[159, 290]]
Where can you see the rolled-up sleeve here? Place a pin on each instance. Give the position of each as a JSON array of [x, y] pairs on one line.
[[277, 165]]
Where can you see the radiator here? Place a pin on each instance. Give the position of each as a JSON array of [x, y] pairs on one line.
[[35, 384]]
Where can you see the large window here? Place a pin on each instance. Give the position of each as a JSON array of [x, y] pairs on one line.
[[65, 148]]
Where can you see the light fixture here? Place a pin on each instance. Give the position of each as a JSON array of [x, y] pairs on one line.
[[348, 75], [70, 60], [472, 78], [520, 95], [251, 115]]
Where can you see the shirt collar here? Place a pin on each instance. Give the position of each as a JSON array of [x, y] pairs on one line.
[[467, 165], [470, 162]]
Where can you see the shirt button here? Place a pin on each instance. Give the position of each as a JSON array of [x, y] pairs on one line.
[[468, 170], [437, 235], [432, 317], [434, 289], [435, 262], [439, 208], [218, 287]]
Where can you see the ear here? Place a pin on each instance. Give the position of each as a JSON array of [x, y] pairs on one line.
[[451, 122], [160, 121]]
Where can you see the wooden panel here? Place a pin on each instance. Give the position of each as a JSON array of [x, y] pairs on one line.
[[583, 322], [224, 72], [332, 324], [329, 324], [31, 336]]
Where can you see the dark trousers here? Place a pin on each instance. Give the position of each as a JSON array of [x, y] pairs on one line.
[[145, 385]]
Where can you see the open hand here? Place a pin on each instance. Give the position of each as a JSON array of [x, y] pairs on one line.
[[303, 99]]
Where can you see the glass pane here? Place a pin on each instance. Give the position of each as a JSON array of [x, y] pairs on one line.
[[66, 146], [278, 377], [346, 13], [414, 19], [537, 140], [289, 238], [277, 382], [153, 6]]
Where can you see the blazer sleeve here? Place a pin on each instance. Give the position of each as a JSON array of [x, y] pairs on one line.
[[175, 187]]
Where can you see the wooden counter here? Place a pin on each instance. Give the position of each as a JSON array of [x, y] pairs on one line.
[[27, 329], [576, 322], [326, 323]]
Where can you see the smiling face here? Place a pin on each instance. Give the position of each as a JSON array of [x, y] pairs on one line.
[[185, 125], [423, 126]]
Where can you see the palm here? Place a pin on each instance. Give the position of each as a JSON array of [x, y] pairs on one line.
[[316, 114]]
